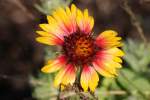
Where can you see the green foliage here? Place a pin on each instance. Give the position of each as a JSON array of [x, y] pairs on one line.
[[51, 52], [137, 55], [43, 84], [47, 6], [43, 87]]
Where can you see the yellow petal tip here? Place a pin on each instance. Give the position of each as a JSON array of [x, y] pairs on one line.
[[44, 69]]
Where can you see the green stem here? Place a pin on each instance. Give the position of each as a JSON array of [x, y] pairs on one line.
[[59, 92], [78, 76]]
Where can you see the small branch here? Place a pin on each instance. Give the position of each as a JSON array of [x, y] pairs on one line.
[[22, 7], [135, 22], [112, 92], [7, 77]]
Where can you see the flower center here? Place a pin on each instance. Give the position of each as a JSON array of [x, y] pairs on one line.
[[79, 48], [84, 47]]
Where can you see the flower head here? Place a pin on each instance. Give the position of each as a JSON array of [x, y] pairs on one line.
[[71, 29]]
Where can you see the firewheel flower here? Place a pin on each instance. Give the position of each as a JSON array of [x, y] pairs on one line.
[[71, 29]]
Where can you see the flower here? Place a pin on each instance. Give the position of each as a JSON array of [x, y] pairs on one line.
[[71, 29]]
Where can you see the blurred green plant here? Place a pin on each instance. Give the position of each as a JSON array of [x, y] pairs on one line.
[[43, 87], [48, 6], [137, 56]]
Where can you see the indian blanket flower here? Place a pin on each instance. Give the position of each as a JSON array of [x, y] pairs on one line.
[[71, 29]]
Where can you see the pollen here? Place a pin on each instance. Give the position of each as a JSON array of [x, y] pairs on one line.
[[79, 48], [84, 47]]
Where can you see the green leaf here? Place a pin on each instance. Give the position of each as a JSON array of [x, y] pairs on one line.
[[136, 55], [43, 87], [48, 6], [133, 83]]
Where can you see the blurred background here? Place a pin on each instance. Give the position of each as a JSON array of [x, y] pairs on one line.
[[21, 57]]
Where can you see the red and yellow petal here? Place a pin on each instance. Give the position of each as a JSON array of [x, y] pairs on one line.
[[101, 69], [53, 29], [51, 40], [66, 19], [61, 19], [65, 76], [48, 38], [89, 78], [72, 26], [54, 65], [84, 21], [113, 54], [114, 51], [108, 39], [70, 75], [108, 61]]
